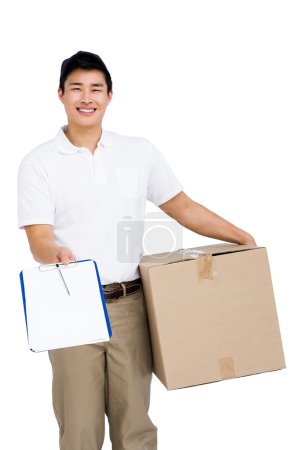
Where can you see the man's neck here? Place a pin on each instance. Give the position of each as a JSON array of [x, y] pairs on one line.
[[83, 136]]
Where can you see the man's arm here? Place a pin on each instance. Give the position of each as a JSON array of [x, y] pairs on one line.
[[43, 247], [201, 220]]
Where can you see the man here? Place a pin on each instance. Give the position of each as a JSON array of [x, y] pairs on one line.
[[73, 192]]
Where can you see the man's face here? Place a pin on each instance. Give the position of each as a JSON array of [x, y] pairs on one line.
[[85, 97]]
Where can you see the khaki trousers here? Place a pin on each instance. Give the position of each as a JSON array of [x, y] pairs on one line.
[[111, 378]]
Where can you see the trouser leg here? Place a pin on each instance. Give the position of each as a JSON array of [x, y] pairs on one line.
[[79, 395], [129, 372]]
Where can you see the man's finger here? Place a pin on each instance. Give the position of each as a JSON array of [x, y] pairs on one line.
[[65, 259]]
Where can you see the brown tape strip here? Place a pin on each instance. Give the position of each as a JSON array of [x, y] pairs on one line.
[[204, 267], [227, 368]]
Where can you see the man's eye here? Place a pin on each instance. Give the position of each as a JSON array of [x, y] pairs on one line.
[[97, 90], [76, 89]]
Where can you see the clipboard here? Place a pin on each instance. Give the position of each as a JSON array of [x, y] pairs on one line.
[[64, 305]]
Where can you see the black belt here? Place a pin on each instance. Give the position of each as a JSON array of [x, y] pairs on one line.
[[114, 291]]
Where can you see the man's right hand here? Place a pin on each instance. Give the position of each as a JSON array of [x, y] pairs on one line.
[[43, 247], [64, 255]]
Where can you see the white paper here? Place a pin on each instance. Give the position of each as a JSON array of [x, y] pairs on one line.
[[56, 319]]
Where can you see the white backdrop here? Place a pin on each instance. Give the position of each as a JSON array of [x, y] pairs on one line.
[[215, 86]]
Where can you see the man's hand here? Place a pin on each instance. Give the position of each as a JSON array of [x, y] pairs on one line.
[[201, 220], [43, 247], [64, 255], [248, 240]]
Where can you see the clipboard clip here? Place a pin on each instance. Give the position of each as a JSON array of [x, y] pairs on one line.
[[58, 266], [45, 267]]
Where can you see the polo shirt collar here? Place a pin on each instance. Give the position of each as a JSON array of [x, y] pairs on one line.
[[67, 148]]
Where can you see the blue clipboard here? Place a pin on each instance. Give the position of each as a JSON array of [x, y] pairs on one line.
[[64, 305]]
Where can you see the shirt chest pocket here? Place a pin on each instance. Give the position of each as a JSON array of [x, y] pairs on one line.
[[130, 181]]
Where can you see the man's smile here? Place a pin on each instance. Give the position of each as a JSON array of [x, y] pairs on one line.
[[86, 111]]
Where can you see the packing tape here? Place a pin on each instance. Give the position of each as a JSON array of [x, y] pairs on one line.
[[204, 262], [227, 369], [191, 252], [204, 267]]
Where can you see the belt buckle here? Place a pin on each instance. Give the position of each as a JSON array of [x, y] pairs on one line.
[[124, 288]]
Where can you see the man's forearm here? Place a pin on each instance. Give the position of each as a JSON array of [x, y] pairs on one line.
[[201, 220], [44, 250], [43, 247]]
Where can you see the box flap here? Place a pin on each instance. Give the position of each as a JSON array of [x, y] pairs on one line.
[[186, 254]]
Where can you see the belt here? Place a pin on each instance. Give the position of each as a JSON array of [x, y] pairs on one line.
[[114, 291]]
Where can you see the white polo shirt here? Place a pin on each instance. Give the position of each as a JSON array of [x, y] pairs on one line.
[[95, 202]]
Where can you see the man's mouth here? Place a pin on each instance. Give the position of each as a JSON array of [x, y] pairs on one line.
[[86, 111]]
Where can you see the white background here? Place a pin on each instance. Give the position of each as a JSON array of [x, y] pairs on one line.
[[215, 86]]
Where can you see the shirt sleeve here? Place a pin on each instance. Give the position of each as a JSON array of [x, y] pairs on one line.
[[35, 200], [163, 184]]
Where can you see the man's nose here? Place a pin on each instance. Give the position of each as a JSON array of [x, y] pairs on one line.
[[86, 97]]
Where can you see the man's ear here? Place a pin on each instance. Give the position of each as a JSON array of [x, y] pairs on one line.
[[110, 96], [60, 94]]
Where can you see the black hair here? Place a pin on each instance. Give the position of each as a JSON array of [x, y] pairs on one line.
[[86, 61]]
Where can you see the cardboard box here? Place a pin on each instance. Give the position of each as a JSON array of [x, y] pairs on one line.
[[211, 313]]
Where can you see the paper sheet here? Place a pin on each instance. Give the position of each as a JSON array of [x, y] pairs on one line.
[[56, 319]]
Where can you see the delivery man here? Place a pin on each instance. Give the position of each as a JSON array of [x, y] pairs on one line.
[[74, 190]]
